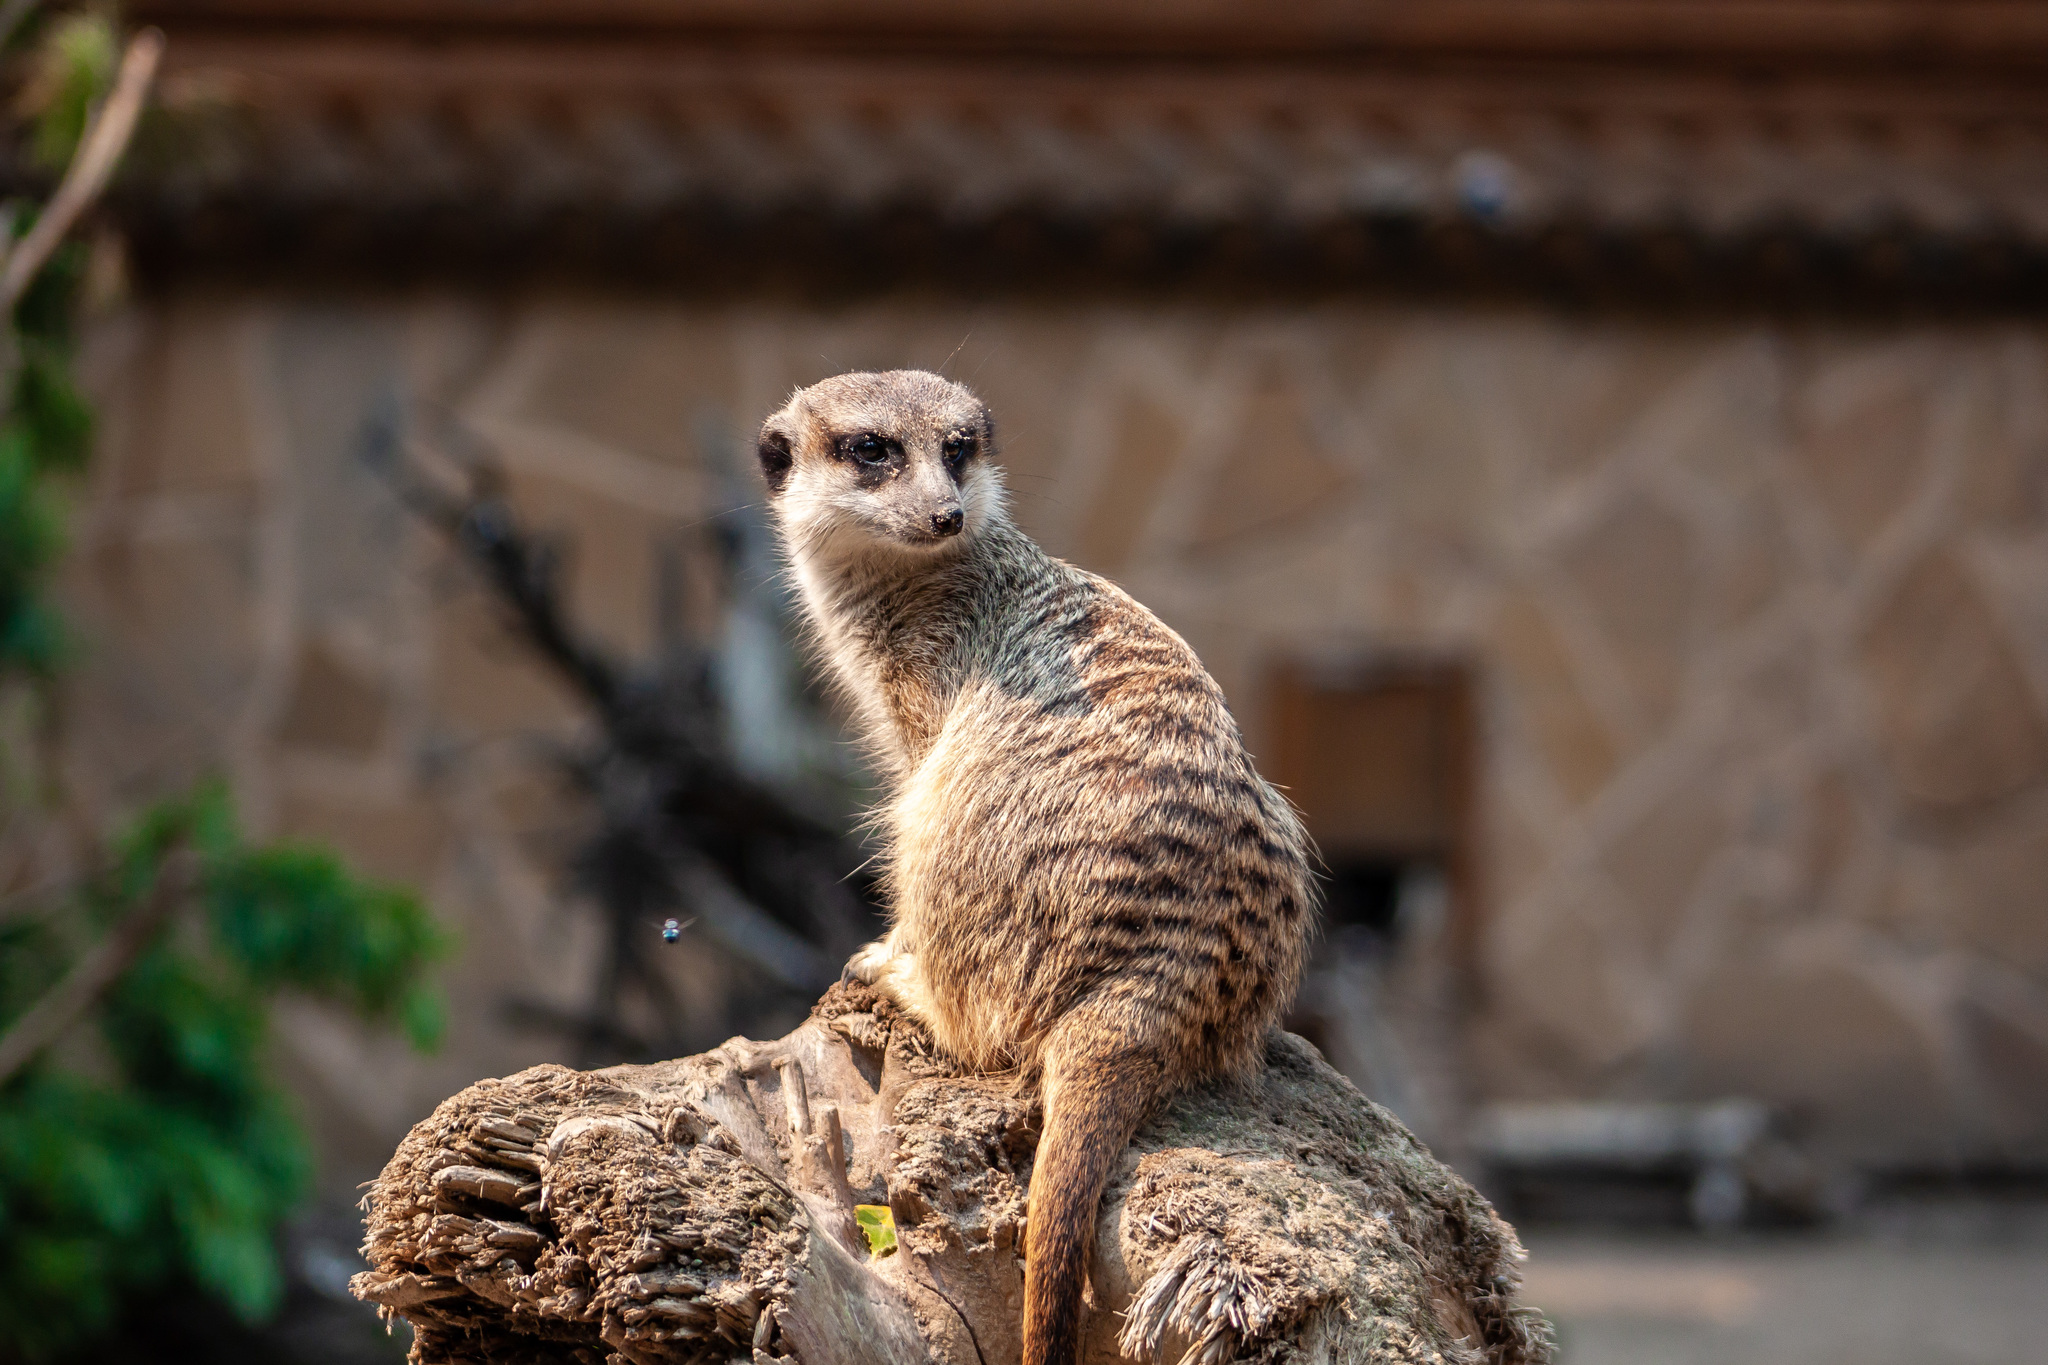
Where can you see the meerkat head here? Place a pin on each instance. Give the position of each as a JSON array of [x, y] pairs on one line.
[[895, 463]]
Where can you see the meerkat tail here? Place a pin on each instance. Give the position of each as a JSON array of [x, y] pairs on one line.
[[1094, 1102]]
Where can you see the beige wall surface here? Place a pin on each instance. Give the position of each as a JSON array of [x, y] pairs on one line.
[[1758, 613]]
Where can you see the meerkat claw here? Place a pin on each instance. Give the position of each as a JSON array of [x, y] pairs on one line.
[[893, 973], [867, 965]]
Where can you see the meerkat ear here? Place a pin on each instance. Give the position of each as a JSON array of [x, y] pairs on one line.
[[776, 459]]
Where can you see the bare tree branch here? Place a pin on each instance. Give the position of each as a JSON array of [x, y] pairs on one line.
[[92, 165], [677, 827], [47, 1019]]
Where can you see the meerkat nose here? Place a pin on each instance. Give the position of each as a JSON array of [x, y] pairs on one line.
[[948, 522]]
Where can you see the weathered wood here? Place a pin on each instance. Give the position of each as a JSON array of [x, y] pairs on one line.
[[702, 1211]]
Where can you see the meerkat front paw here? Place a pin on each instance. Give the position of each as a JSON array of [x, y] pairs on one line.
[[867, 965], [893, 973]]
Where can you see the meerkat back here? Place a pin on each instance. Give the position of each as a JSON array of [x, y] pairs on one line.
[[1088, 882]]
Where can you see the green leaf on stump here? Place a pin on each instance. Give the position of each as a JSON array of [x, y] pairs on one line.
[[880, 1226]]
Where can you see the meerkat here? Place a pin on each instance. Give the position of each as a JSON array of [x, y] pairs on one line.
[[1088, 883]]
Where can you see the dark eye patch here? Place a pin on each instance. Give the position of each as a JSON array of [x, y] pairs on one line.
[[959, 448], [867, 448], [776, 459]]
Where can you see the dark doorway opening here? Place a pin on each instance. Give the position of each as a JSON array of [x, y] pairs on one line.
[[1378, 757], [1362, 897]]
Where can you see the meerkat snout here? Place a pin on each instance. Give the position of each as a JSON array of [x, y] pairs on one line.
[[949, 522]]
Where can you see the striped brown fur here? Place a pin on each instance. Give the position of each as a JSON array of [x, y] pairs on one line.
[[1089, 884]]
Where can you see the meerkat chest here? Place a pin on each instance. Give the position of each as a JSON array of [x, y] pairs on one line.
[[954, 901], [948, 821], [925, 833]]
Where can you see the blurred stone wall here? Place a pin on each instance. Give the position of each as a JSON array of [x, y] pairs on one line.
[[1759, 614]]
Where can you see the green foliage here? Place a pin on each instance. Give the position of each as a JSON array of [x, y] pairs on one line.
[[181, 1158], [154, 1150], [31, 538], [46, 427], [45, 431], [74, 66]]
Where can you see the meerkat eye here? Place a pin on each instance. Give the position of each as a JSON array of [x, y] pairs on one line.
[[867, 448], [958, 449]]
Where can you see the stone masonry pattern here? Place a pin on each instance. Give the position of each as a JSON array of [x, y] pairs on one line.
[[1758, 612]]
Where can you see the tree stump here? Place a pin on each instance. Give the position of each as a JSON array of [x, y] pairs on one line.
[[702, 1210]]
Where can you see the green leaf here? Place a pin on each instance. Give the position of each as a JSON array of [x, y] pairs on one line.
[[181, 1163], [879, 1224], [424, 1018], [73, 69], [49, 408]]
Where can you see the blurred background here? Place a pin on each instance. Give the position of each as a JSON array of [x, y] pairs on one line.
[[1600, 446]]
